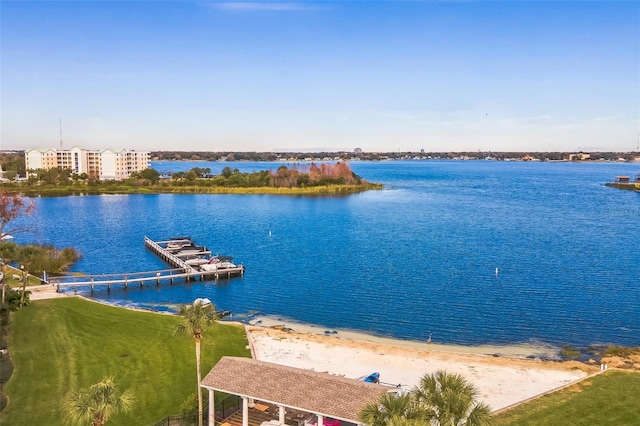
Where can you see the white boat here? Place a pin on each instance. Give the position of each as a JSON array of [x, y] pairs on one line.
[[217, 263]]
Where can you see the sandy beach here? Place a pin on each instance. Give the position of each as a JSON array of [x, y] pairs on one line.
[[502, 380], [503, 375]]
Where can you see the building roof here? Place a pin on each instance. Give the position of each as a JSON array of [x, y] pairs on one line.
[[40, 150], [114, 150], [319, 393]]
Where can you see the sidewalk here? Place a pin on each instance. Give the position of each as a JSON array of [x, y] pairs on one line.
[[41, 292]]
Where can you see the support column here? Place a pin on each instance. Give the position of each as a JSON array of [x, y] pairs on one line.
[[212, 409], [245, 411], [281, 414], [320, 420]]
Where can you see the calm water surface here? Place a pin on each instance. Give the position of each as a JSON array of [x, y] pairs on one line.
[[416, 258]]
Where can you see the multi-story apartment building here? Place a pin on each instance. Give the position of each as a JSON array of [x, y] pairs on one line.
[[107, 164]]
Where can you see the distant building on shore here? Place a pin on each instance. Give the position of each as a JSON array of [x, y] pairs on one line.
[[107, 164], [580, 156]]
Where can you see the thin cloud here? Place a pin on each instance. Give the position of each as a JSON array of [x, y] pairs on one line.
[[537, 117], [255, 6]]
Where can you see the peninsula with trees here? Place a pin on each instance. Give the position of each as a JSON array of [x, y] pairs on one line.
[[299, 179]]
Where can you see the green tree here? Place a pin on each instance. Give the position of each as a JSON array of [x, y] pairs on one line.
[[201, 172], [10, 174], [96, 405], [440, 399], [14, 163], [152, 175], [392, 409], [12, 300], [449, 399], [195, 317], [227, 172], [26, 255]]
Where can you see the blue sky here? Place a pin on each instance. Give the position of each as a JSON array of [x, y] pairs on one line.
[[321, 75]]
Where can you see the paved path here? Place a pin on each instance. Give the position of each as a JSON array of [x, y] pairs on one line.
[[44, 292]]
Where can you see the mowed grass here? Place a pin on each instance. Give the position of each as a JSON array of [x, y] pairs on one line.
[[612, 398], [65, 344]]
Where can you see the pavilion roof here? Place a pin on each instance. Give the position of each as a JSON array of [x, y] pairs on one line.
[[320, 393]]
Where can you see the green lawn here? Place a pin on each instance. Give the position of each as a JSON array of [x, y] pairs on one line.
[[10, 281], [64, 344], [612, 398]]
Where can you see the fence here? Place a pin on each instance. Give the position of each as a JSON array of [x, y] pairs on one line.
[[182, 420], [224, 409]]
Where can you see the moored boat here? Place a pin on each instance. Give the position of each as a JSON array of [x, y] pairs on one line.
[[216, 263]]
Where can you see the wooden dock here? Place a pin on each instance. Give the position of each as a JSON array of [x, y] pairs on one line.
[[186, 265], [167, 255]]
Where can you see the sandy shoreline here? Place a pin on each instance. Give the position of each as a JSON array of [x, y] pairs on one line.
[[501, 380], [503, 375], [512, 351]]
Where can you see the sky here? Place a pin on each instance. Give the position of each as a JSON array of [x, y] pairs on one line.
[[321, 75]]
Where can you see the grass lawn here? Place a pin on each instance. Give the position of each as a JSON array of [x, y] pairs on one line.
[[12, 282], [611, 398], [59, 345]]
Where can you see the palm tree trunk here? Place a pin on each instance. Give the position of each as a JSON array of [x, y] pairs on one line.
[[199, 379]]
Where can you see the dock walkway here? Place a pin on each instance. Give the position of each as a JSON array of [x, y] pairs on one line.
[[181, 254], [167, 255]]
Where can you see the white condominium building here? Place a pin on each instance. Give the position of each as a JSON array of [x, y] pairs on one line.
[[107, 164]]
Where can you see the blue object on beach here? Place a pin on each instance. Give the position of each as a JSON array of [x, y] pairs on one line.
[[373, 378]]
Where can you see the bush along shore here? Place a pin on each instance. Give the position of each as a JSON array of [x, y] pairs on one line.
[[313, 179]]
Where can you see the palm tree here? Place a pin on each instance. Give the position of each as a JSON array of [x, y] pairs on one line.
[[195, 317], [96, 405], [451, 400], [393, 409]]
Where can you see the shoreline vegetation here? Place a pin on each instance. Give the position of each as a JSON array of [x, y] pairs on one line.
[[313, 179]]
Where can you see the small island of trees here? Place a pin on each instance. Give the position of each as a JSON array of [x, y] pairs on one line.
[[311, 179]]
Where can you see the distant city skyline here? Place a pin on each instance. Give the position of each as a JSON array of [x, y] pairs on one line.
[[382, 76]]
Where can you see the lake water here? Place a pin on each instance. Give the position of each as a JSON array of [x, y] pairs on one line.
[[414, 259]]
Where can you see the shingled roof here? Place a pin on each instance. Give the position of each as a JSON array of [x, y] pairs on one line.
[[319, 393]]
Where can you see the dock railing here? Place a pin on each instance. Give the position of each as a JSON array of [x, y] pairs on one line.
[[165, 255]]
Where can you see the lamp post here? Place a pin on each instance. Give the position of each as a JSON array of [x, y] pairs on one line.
[[4, 271], [25, 274]]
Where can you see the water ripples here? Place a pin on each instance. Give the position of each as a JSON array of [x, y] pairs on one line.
[[407, 262]]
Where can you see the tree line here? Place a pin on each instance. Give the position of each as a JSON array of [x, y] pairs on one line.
[[382, 155], [297, 176]]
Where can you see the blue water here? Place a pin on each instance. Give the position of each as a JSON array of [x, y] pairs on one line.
[[416, 258]]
